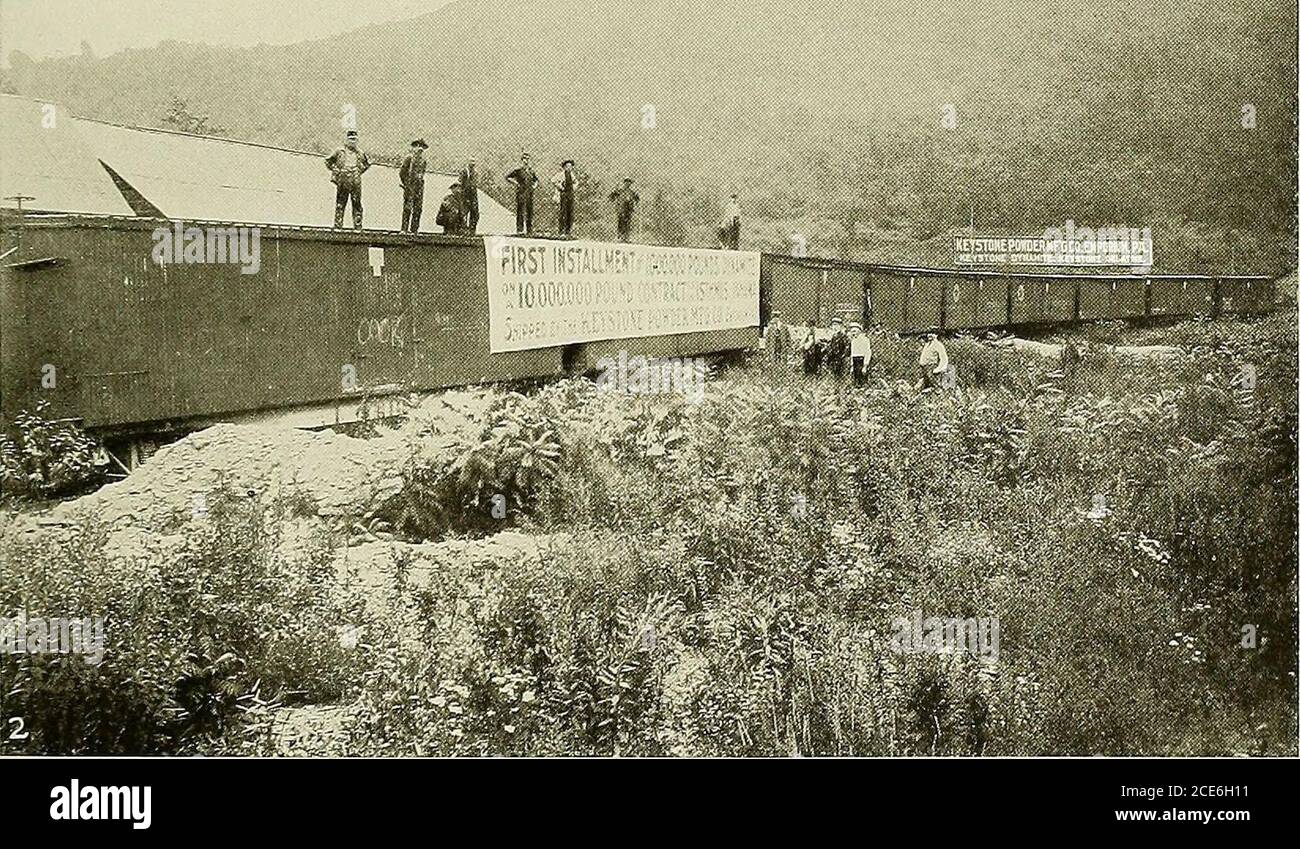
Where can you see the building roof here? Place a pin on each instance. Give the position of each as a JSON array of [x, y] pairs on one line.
[[196, 177], [43, 156]]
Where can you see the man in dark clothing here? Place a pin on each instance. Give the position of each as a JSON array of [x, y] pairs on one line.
[[837, 349], [776, 342], [346, 166], [525, 181], [813, 350], [729, 225], [469, 197], [450, 212], [565, 182], [411, 176], [625, 200]]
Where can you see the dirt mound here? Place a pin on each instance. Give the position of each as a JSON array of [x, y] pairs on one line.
[[340, 475]]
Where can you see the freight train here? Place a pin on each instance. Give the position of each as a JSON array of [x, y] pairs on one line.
[[334, 319]]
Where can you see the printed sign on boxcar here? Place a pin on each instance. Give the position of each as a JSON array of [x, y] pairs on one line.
[[543, 293]]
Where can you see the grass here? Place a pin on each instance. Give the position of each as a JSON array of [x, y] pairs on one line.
[[725, 574]]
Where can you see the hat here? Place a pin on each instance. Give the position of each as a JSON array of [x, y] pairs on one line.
[[855, 324], [837, 320], [351, 134], [627, 179], [567, 162], [420, 143]]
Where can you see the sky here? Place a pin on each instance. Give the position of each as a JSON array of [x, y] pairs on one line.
[[45, 28]]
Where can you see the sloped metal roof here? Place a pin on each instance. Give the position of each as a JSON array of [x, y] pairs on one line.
[[44, 156], [198, 177]]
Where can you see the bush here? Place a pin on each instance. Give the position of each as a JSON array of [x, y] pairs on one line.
[[47, 457], [772, 534], [201, 637], [721, 575]]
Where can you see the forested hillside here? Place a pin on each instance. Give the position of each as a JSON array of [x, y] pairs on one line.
[[826, 117]]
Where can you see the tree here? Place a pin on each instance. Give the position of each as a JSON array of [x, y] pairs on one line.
[[180, 117]]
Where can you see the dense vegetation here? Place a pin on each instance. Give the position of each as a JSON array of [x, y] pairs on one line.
[[828, 118], [719, 576]]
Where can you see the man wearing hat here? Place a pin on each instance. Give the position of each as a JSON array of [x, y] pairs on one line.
[[469, 197], [412, 179], [451, 212], [565, 181], [346, 166], [625, 200], [525, 181]]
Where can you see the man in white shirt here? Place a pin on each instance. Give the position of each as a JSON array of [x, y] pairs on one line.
[[933, 362], [860, 351]]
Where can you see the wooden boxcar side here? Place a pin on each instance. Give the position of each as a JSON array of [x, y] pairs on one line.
[[1176, 296], [971, 302], [326, 317]]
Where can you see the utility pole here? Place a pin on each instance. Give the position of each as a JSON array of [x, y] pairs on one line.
[[18, 231]]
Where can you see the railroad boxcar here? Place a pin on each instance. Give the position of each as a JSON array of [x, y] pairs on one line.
[[1095, 297], [887, 293], [1182, 295], [791, 287], [845, 289], [92, 324], [1027, 301], [1129, 297], [1245, 296], [923, 301], [810, 290], [974, 302]]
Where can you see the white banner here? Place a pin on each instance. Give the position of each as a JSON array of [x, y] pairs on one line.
[[1105, 246], [543, 293]]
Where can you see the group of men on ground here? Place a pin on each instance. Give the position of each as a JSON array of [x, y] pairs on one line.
[[846, 353], [458, 213]]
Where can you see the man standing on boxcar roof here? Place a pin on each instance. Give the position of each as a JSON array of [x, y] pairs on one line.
[[469, 196], [346, 166], [625, 201], [451, 211], [525, 181], [565, 183], [729, 225], [411, 176]]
